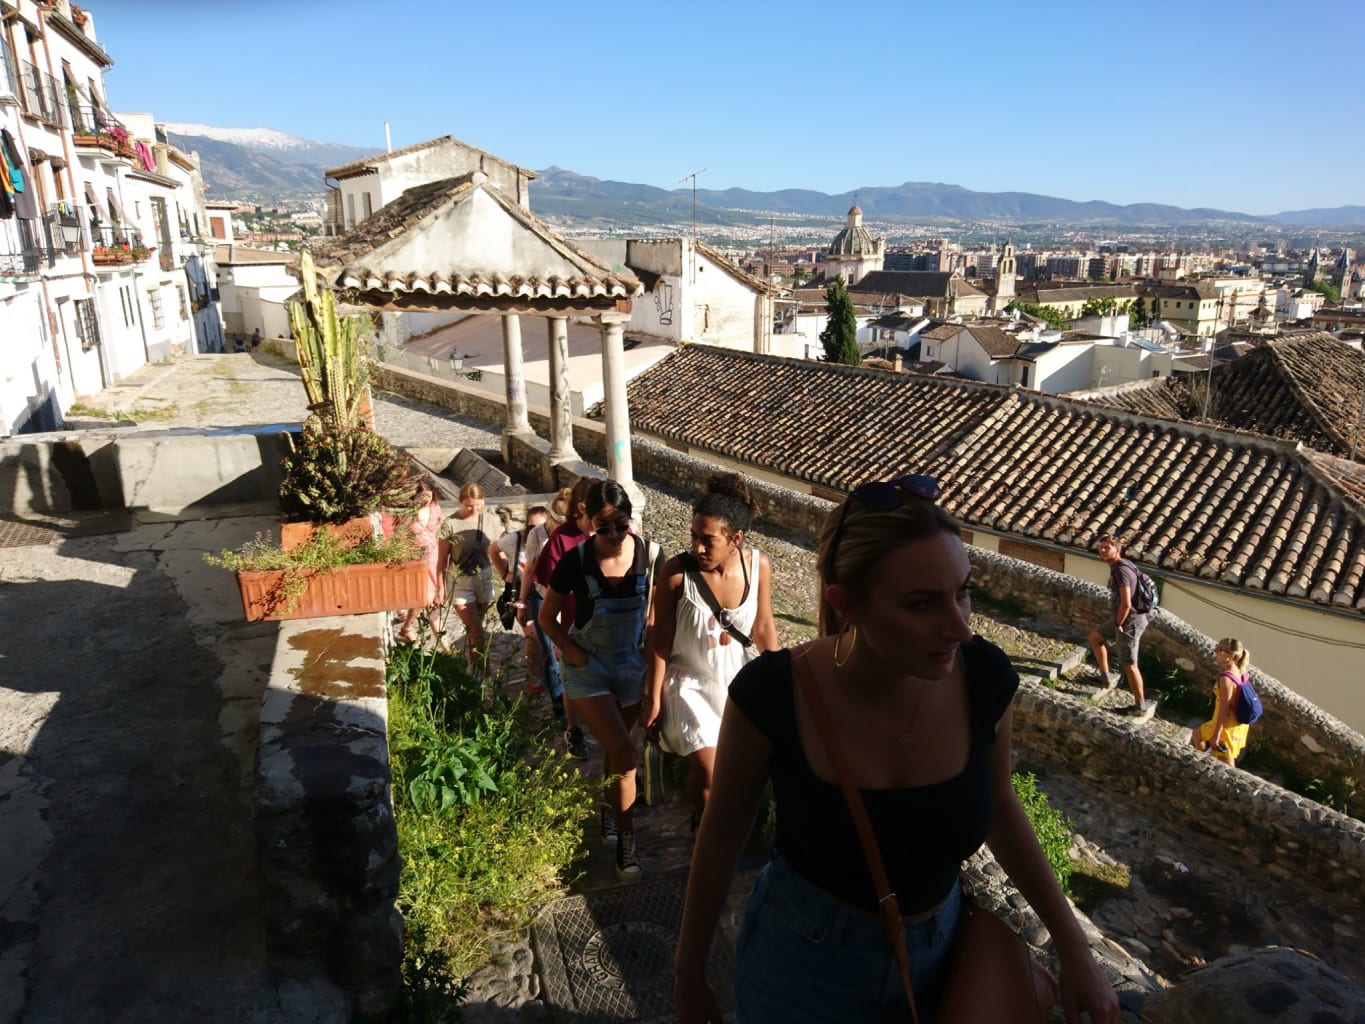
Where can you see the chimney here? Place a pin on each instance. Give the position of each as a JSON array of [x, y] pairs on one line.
[[898, 363]]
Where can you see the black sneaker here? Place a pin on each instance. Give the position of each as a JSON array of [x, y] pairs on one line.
[[627, 861], [576, 742], [606, 820]]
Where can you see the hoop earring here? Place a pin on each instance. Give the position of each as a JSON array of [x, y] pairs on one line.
[[852, 644]]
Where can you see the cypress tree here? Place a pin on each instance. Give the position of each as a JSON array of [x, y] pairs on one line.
[[840, 336]]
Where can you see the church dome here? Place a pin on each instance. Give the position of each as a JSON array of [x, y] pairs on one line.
[[854, 240]]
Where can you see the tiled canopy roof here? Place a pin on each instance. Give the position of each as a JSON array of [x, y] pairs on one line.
[[1234, 509], [441, 244]]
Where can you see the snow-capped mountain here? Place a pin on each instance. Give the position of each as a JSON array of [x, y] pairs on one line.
[[260, 163], [257, 138], [280, 145]]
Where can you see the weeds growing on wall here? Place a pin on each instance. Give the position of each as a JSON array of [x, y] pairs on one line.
[[489, 819], [1175, 689], [1336, 788], [1053, 828]]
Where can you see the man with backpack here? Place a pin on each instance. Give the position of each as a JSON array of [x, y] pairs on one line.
[[1124, 626]]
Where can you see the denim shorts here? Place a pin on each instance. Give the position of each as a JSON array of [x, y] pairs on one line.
[[619, 674], [803, 956]]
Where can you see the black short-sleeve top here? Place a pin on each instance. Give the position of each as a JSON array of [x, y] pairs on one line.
[[924, 832]]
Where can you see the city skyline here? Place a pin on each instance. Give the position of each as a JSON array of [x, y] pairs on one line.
[[1182, 105]]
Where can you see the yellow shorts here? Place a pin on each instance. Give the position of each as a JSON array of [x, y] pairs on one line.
[[1234, 737]]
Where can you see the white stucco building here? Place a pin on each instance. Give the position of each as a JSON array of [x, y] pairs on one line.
[[356, 190], [93, 280], [693, 294], [254, 284]]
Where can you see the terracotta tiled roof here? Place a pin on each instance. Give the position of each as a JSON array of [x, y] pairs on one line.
[[920, 284], [1233, 509], [1165, 397], [943, 332], [997, 343], [1305, 388], [1042, 293], [348, 260]]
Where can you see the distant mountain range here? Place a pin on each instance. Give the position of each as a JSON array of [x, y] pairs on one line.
[[261, 164]]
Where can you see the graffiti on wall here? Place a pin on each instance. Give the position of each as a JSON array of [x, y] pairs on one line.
[[663, 302]]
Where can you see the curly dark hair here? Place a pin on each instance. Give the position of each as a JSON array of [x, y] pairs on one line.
[[728, 499]]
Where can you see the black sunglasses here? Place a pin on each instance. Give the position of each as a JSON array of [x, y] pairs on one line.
[[882, 496], [616, 528]]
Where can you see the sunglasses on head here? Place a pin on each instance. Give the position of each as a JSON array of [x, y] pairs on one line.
[[883, 496]]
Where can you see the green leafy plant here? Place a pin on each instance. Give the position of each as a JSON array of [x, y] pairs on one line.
[[489, 815], [333, 474], [1052, 827]]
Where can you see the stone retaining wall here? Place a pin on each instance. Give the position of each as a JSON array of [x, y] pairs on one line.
[[324, 812], [1273, 831]]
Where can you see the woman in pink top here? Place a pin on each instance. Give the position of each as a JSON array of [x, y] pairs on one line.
[[426, 529]]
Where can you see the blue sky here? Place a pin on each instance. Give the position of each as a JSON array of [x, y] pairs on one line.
[[1250, 106]]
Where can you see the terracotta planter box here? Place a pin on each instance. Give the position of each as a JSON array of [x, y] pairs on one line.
[[352, 533], [345, 590]]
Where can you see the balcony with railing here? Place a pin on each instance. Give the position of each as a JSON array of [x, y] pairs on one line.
[[27, 246], [22, 251], [94, 127], [38, 95], [116, 246]]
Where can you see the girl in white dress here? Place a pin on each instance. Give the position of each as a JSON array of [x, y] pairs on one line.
[[713, 613]]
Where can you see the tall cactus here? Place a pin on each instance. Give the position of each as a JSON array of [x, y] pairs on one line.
[[330, 352]]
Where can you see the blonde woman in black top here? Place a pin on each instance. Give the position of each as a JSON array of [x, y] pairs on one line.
[[920, 709]]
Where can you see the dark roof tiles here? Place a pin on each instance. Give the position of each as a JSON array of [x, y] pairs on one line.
[[1251, 513]]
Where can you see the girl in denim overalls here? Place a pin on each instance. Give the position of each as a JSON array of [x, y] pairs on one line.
[[611, 576]]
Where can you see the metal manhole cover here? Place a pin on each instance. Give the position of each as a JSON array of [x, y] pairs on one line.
[[608, 955], [14, 534]]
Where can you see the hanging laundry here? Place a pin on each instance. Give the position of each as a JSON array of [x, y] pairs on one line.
[[144, 156], [10, 153]]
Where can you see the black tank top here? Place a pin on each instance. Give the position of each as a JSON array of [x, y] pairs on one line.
[[924, 833]]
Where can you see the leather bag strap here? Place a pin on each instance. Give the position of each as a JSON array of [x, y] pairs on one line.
[[886, 899], [709, 596]]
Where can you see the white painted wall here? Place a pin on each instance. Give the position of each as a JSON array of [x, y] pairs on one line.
[[1117, 364], [29, 379], [1065, 368]]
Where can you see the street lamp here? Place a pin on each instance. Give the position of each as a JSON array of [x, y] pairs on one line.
[[71, 231], [456, 362]]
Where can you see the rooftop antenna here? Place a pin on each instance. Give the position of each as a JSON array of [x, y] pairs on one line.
[[693, 178]]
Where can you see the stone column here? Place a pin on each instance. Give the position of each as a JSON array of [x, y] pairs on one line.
[[514, 376], [617, 410], [561, 398]]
